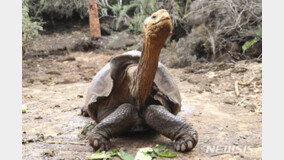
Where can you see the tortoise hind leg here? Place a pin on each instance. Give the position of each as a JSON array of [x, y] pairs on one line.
[[118, 122], [171, 126]]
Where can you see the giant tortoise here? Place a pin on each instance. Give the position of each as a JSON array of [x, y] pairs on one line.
[[135, 91]]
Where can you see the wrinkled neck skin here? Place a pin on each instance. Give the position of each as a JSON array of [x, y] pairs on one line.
[[146, 71]]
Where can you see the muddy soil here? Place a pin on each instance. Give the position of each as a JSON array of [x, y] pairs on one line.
[[54, 88]]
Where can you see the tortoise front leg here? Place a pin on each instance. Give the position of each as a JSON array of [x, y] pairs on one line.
[[118, 122], [84, 111], [171, 126]]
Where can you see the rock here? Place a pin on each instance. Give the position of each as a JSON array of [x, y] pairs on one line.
[[239, 70], [80, 96], [121, 41], [68, 58], [251, 107], [183, 78], [49, 154], [187, 50], [38, 117], [207, 89], [66, 81], [196, 68], [86, 44], [255, 50], [105, 29], [53, 72], [31, 138], [193, 81], [229, 101], [223, 66]]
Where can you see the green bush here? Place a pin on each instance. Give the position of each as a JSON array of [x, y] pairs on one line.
[[137, 25], [30, 27], [140, 10], [51, 10]]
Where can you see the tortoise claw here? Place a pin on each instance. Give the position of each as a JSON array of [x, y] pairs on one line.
[[84, 111], [99, 142], [186, 142]]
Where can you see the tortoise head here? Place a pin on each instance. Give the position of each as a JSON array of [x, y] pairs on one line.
[[158, 27]]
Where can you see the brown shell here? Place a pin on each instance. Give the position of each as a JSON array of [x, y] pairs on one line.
[[102, 84]]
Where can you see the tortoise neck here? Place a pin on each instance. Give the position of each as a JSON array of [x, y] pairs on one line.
[[146, 71]]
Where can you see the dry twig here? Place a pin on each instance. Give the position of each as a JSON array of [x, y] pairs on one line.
[[237, 89], [75, 143]]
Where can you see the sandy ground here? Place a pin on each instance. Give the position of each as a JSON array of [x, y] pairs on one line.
[[229, 126]]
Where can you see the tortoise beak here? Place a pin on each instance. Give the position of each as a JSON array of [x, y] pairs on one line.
[[165, 20]]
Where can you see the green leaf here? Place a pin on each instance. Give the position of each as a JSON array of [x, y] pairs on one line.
[[98, 151], [144, 154], [168, 154], [101, 155], [124, 10], [125, 155], [114, 150], [162, 151], [114, 9], [112, 153], [24, 108], [250, 43], [160, 148]]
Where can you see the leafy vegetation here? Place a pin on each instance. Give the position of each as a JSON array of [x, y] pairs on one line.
[[250, 43], [110, 154], [58, 9], [123, 12], [216, 30], [147, 153], [24, 108], [125, 155], [30, 27], [136, 26], [203, 30], [130, 13], [138, 9], [103, 154], [162, 151]]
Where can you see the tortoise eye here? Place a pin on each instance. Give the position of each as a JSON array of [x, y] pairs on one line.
[[153, 17]]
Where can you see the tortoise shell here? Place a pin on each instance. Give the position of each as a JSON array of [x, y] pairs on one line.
[[100, 99]]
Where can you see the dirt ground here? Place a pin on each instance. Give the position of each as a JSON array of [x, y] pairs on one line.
[[229, 126]]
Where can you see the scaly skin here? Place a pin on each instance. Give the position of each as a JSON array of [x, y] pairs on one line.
[[174, 127], [117, 123], [156, 116]]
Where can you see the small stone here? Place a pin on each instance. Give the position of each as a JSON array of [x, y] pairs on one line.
[[69, 58], [80, 96], [239, 70], [39, 117], [53, 72], [229, 101]]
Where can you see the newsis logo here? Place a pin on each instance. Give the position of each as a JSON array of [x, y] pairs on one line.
[[228, 149]]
